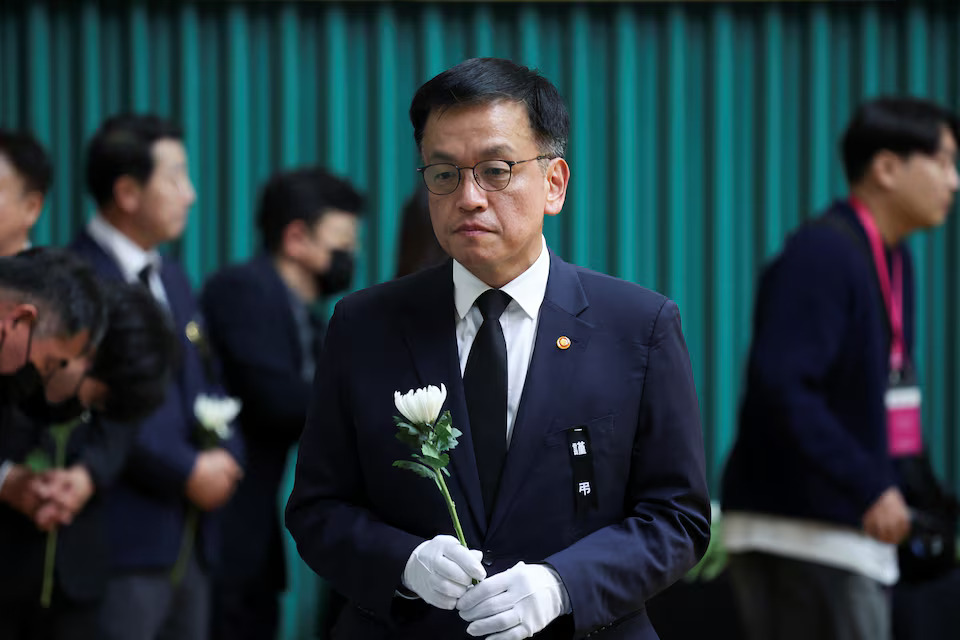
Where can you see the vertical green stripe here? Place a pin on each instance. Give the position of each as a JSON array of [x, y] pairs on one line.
[[627, 207], [820, 105], [138, 75], [288, 115], [649, 172], [237, 199], [579, 198], [338, 79], [39, 98], [190, 120], [870, 51], [677, 157], [917, 72], [723, 223], [773, 120], [389, 119]]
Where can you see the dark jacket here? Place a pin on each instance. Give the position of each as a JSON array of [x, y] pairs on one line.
[[812, 441], [147, 508], [625, 379], [252, 327]]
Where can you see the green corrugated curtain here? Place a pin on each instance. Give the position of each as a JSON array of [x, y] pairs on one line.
[[702, 134]]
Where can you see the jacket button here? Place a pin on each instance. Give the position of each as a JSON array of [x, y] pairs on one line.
[[487, 558]]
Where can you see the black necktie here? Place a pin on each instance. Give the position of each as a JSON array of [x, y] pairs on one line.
[[144, 275], [485, 386]]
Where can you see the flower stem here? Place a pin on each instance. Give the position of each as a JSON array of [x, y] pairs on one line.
[[451, 507], [49, 562], [186, 546]]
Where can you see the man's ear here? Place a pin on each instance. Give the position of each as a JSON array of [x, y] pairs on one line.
[[885, 169], [558, 177], [127, 193], [23, 312], [294, 239], [33, 205]]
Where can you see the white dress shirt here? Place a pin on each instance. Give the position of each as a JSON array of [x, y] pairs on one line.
[[519, 321], [128, 255]]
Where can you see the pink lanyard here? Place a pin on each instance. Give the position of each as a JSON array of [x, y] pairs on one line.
[[892, 291]]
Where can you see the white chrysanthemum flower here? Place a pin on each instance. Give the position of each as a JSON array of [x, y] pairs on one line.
[[421, 406], [216, 413]]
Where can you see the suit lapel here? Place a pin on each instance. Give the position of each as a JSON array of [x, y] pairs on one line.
[[430, 333], [102, 262], [549, 378]]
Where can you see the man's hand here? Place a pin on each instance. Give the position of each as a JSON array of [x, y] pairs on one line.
[[23, 490], [514, 604], [440, 569], [888, 519], [214, 477], [68, 492]]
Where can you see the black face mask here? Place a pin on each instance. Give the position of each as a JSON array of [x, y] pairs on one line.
[[23, 383], [338, 277], [36, 408]]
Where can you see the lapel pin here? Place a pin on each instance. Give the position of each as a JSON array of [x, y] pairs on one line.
[[192, 331], [563, 342]]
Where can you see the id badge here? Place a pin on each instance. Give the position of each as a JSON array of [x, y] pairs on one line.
[[904, 432]]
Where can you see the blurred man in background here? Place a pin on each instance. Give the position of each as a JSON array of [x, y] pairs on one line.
[[137, 174], [55, 556], [266, 329], [813, 508]]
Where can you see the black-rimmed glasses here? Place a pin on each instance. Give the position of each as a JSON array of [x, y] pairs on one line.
[[443, 178]]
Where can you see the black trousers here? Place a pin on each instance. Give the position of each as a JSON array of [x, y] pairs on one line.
[[64, 620], [245, 612], [786, 599]]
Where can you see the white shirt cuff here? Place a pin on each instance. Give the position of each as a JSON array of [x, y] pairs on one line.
[[5, 468]]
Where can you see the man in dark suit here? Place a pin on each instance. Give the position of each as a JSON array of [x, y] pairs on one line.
[[579, 476], [51, 319], [813, 510], [268, 336], [74, 460], [137, 174]]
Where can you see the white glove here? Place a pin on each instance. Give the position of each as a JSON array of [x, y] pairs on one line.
[[440, 570], [514, 604]]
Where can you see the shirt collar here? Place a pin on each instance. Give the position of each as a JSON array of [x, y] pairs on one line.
[[130, 257], [527, 289]]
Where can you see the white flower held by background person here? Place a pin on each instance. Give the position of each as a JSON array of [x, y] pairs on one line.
[[421, 406], [215, 414]]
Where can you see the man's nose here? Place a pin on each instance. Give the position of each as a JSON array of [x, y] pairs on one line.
[[470, 196]]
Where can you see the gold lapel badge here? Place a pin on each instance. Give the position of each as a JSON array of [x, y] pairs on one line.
[[563, 342], [192, 331]]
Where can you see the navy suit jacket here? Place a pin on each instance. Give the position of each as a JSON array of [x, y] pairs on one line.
[[146, 509], [813, 440], [253, 330], [626, 377]]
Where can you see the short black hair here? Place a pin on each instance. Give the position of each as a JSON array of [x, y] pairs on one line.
[[28, 158], [301, 194], [61, 285], [137, 355], [123, 146], [485, 80], [901, 125]]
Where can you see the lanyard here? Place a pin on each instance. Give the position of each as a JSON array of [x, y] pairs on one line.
[[892, 290]]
